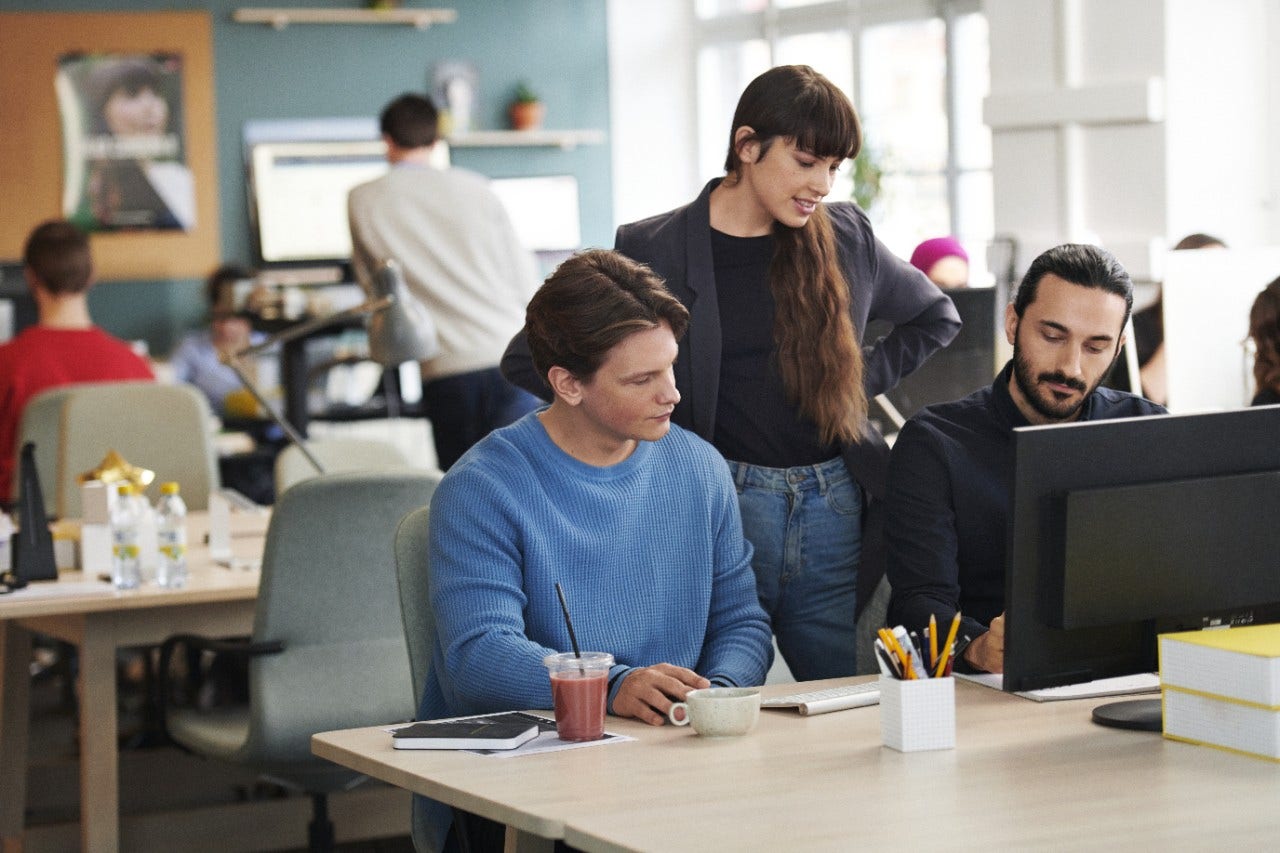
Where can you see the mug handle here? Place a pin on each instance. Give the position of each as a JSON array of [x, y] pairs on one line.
[[671, 714]]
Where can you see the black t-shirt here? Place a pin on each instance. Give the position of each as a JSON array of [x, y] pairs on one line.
[[754, 422]]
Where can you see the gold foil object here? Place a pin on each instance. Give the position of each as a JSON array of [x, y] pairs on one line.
[[114, 468]]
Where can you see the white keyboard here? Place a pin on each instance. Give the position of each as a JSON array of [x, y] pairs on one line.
[[831, 699]]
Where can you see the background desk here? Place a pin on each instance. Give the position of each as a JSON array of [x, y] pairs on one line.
[[216, 601], [1022, 775]]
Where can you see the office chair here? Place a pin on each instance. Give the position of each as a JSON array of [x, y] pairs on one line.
[[165, 428], [413, 575], [337, 454], [872, 617], [41, 424], [328, 648]]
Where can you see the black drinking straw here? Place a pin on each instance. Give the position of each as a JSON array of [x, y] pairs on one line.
[[568, 623]]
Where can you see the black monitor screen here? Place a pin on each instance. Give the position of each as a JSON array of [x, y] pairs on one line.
[[963, 366], [1123, 529]]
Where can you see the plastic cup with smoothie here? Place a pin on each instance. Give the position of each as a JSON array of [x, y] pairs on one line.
[[579, 689]]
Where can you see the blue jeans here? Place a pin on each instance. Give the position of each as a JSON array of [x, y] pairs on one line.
[[805, 524]]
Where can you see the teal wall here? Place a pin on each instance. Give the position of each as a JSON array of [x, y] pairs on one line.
[[321, 71]]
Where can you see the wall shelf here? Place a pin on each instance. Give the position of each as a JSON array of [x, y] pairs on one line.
[[565, 139], [281, 18]]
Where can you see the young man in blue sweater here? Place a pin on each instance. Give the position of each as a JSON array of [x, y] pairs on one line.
[[636, 518]]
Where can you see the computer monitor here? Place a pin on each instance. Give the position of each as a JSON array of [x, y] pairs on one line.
[[17, 307], [963, 366], [1120, 530], [300, 173], [299, 196], [544, 212]]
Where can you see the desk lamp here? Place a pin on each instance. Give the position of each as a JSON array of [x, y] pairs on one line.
[[399, 330]]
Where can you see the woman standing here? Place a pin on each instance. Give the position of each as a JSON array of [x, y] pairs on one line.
[[774, 370]]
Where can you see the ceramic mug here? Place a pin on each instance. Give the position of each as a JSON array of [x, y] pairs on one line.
[[719, 711]]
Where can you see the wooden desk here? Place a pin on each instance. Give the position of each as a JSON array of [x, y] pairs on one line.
[[1022, 775], [216, 601]]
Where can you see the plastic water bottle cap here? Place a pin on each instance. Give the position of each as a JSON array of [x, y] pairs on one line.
[[169, 488]]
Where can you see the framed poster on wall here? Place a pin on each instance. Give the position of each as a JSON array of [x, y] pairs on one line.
[[159, 222], [123, 160]]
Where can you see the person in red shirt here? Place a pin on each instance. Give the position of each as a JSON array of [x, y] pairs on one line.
[[64, 347]]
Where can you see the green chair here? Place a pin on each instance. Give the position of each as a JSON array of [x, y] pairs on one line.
[[328, 649], [413, 575]]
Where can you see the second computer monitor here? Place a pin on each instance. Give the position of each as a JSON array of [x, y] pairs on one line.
[[1123, 529]]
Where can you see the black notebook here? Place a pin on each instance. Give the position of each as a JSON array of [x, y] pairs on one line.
[[499, 731]]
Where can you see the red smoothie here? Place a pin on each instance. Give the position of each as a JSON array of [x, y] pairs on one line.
[[580, 703]]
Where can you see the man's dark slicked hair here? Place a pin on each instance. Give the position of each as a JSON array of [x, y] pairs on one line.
[[1078, 263]]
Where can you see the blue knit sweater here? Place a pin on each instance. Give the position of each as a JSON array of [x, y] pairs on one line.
[[650, 553]]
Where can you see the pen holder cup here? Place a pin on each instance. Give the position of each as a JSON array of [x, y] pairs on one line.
[[918, 715]]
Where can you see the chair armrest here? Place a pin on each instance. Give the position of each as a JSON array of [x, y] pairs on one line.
[[236, 646]]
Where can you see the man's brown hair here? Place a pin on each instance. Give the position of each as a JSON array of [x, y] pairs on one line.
[[57, 253], [592, 302]]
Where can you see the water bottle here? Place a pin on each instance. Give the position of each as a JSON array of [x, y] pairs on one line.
[[171, 530], [126, 561]]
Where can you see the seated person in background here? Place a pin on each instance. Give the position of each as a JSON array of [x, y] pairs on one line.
[[64, 347], [952, 465], [634, 516], [198, 357], [1148, 330], [1264, 329], [944, 261]]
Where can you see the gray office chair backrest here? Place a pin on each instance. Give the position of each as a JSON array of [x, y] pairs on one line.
[[165, 428], [42, 423], [413, 574], [328, 592], [871, 619], [337, 454]]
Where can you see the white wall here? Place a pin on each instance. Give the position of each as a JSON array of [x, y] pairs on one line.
[[1131, 123], [1218, 126], [653, 125], [1124, 122]]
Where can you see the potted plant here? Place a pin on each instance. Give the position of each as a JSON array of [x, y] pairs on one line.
[[527, 109]]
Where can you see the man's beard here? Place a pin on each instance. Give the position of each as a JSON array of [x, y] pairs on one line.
[[1047, 406]]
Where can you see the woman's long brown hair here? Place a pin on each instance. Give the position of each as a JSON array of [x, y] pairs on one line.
[[817, 349], [1264, 328]]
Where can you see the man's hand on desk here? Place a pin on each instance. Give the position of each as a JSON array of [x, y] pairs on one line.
[[986, 652], [647, 694]]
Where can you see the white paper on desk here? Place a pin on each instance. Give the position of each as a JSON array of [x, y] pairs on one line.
[[1122, 685], [546, 741], [66, 589], [219, 526]]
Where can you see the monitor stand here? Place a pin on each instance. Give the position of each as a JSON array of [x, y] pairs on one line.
[[1141, 715]]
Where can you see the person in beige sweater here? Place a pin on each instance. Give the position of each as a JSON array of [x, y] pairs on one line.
[[461, 259]]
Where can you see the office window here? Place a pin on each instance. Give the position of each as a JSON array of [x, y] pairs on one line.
[[916, 72], [724, 70]]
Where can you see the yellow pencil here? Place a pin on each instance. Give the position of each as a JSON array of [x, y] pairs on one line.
[[933, 640], [903, 655], [947, 646]]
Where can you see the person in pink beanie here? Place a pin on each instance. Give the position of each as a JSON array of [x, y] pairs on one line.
[[944, 261]]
